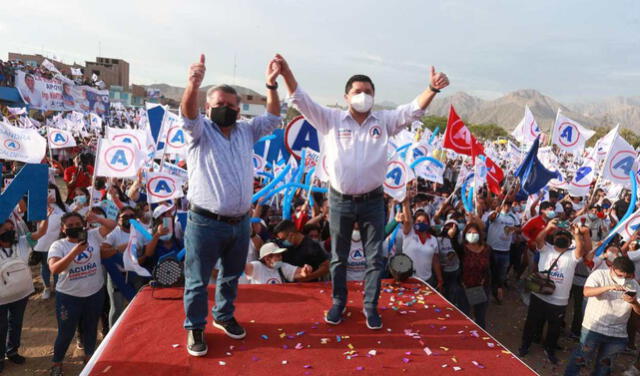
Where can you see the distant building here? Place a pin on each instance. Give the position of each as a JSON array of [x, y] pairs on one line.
[[36, 60], [110, 71]]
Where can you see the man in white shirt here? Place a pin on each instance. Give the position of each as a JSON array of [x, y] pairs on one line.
[[355, 146], [613, 294], [558, 261], [502, 224]]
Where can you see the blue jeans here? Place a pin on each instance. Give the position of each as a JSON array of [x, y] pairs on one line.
[[11, 326], [604, 348], [452, 288], [500, 261], [45, 273], [208, 241], [70, 310], [370, 217]]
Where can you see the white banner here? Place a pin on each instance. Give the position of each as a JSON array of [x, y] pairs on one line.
[[19, 144], [119, 160], [163, 186], [60, 94], [172, 134], [621, 159], [59, 139], [397, 178], [527, 130], [569, 135]]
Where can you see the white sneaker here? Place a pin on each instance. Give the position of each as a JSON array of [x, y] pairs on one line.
[[46, 294]]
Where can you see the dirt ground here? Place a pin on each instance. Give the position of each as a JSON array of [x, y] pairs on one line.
[[504, 323]]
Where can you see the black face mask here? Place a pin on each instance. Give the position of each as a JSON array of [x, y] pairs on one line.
[[223, 116], [561, 242], [126, 221], [74, 232], [8, 237]]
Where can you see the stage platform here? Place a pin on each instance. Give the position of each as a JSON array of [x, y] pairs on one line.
[[286, 335]]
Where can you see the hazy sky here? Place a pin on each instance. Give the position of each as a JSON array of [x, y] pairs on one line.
[[571, 49]]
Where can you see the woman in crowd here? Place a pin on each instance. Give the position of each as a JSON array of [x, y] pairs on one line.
[[76, 258], [476, 276], [57, 209]]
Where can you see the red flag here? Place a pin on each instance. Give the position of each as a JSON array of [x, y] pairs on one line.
[[458, 138], [495, 175]]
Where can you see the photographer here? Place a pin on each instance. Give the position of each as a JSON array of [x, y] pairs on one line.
[[79, 175], [604, 327]]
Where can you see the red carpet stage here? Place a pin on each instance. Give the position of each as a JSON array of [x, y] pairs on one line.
[[422, 334]]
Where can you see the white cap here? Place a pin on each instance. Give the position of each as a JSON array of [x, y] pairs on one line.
[[160, 210], [269, 249]]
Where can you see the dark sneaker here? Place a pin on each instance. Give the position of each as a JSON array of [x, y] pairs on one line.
[[334, 316], [231, 328], [56, 371], [196, 346], [523, 351], [16, 358], [551, 356], [373, 319]]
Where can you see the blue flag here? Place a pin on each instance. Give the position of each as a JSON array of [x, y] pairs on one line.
[[532, 173]]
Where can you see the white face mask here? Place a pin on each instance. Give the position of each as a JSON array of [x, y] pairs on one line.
[[355, 236], [472, 237], [362, 102], [276, 264]]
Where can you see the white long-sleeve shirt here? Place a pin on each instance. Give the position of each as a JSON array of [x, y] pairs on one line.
[[355, 154]]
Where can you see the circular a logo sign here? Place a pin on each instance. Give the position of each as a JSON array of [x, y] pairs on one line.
[[273, 281], [458, 132], [258, 162], [572, 131], [171, 136], [356, 254], [119, 157], [127, 138], [161, 187], [299, 134], [391, 168], [631, 226], [533, 128], [617, 161], [11, 144], [375, 132], [58, 138], [84, 256]]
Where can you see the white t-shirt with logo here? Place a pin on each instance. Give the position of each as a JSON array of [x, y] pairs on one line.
[[561, 275], [497, 238], [421, 253], [356, 262], [607, 313], [448, 263], [17, 251], [83, 277], [263, 274]]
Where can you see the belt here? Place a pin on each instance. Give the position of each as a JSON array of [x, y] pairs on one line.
[[204, 212], [376, 193]]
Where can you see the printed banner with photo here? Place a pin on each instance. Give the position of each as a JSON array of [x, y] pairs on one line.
[[60, 94]]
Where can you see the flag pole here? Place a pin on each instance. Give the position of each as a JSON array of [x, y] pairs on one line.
[[553, 127], [93, 178]]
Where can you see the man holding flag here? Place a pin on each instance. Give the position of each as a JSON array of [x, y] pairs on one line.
[[220, 189]]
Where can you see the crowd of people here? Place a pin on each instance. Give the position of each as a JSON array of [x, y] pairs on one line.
[[8, 70], [470, 256]]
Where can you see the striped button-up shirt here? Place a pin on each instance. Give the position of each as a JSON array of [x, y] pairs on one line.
[[220, 169]]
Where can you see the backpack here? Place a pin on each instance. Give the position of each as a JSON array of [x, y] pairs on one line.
[[15, 279]]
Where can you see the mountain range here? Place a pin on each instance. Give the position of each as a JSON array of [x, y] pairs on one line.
[[508, 110]]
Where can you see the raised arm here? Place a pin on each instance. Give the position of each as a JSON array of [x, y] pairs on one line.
[[552, 225], [189, 103]]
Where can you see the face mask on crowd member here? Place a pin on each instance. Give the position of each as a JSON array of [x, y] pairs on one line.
[[73, 226], [287, 233], [222, 105], [421, 223], [622, 271], [610, 255], [162, 214], [472, 235], [359, 93], [562, 240], [125, 217], [547, 210], [271, 255]]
